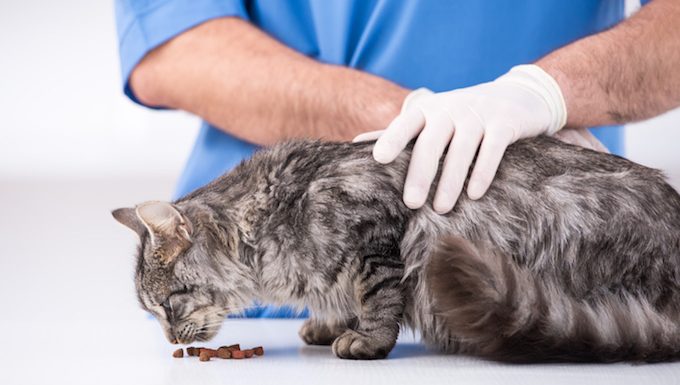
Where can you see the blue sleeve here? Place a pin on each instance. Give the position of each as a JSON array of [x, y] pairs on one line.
[[143, 25]]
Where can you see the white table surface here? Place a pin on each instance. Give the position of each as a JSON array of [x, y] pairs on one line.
[[136, 353], [68, 314]]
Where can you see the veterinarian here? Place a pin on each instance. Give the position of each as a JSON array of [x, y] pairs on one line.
[[472, 75]]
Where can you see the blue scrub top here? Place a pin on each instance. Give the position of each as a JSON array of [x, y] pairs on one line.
[[441, 45]]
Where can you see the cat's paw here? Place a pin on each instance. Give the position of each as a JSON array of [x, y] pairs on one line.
[[356, 346], [314, 332]]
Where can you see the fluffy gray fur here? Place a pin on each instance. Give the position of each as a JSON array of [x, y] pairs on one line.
[[571, 255]]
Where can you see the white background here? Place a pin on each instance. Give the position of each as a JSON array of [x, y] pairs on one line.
[[72, 148], [63, 113]]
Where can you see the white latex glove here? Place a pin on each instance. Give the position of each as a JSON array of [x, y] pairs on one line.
[[580, 137], [525, 102]]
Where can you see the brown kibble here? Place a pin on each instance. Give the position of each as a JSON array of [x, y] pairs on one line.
[[232, 347], [194, 351], [223, 352]]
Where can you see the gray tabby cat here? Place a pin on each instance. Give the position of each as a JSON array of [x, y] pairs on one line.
[[571, 255]]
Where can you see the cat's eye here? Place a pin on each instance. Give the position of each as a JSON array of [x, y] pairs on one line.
[[183, 290], [166, 306]]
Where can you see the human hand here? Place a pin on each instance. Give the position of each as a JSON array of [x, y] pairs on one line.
[[524, 102]]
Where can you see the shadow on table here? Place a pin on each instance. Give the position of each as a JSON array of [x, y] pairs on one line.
[[400, 351], [410, 350]]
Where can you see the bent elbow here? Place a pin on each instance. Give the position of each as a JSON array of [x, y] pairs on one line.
[[144, 85]]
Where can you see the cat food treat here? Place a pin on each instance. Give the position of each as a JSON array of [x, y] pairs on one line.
[[223, 352], [232, 347], [195, 351], [205, 355]]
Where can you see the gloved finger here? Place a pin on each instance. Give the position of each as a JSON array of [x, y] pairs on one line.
[[368, 136], [489, 158], [425, 156], [580, 137], [570, 135], [466, 138], [594, 143], [398, 134]]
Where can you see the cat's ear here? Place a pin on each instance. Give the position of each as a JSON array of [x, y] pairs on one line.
[[128, 217], [170, 231]]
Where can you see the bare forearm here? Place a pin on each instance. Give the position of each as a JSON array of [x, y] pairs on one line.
[[630, 72], [246, 83]]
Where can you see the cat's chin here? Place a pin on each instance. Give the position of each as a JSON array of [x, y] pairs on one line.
[[199, 337], [202, 336], [195, 334]]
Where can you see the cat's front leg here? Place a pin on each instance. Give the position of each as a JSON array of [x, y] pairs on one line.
[[320, 332], [381, 297]]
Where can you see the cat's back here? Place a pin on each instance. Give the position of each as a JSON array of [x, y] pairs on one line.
[[532, 162], [287, 169], [544, 157], [547, 195], [316, 169], [529, 167], [547, 169]]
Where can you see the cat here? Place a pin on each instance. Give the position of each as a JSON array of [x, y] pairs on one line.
[[572, 255]]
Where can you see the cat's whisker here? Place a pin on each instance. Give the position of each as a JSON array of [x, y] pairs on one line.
[[213, 323], [208, 326]]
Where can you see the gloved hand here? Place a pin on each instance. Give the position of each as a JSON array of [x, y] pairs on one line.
[[524, 102]]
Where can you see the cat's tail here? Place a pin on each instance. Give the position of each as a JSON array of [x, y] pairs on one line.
[[505, 313]]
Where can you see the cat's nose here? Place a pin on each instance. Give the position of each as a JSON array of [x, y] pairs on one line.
[[171, 337]]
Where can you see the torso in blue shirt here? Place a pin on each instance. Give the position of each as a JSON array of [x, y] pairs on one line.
[[441, 45]]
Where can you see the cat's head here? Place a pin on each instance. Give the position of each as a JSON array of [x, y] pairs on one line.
[[175, 275]]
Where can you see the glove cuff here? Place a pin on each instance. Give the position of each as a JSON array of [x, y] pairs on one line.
[[535, 79]]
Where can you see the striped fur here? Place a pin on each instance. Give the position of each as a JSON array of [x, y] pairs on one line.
[[571, 255], [505, 312]]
